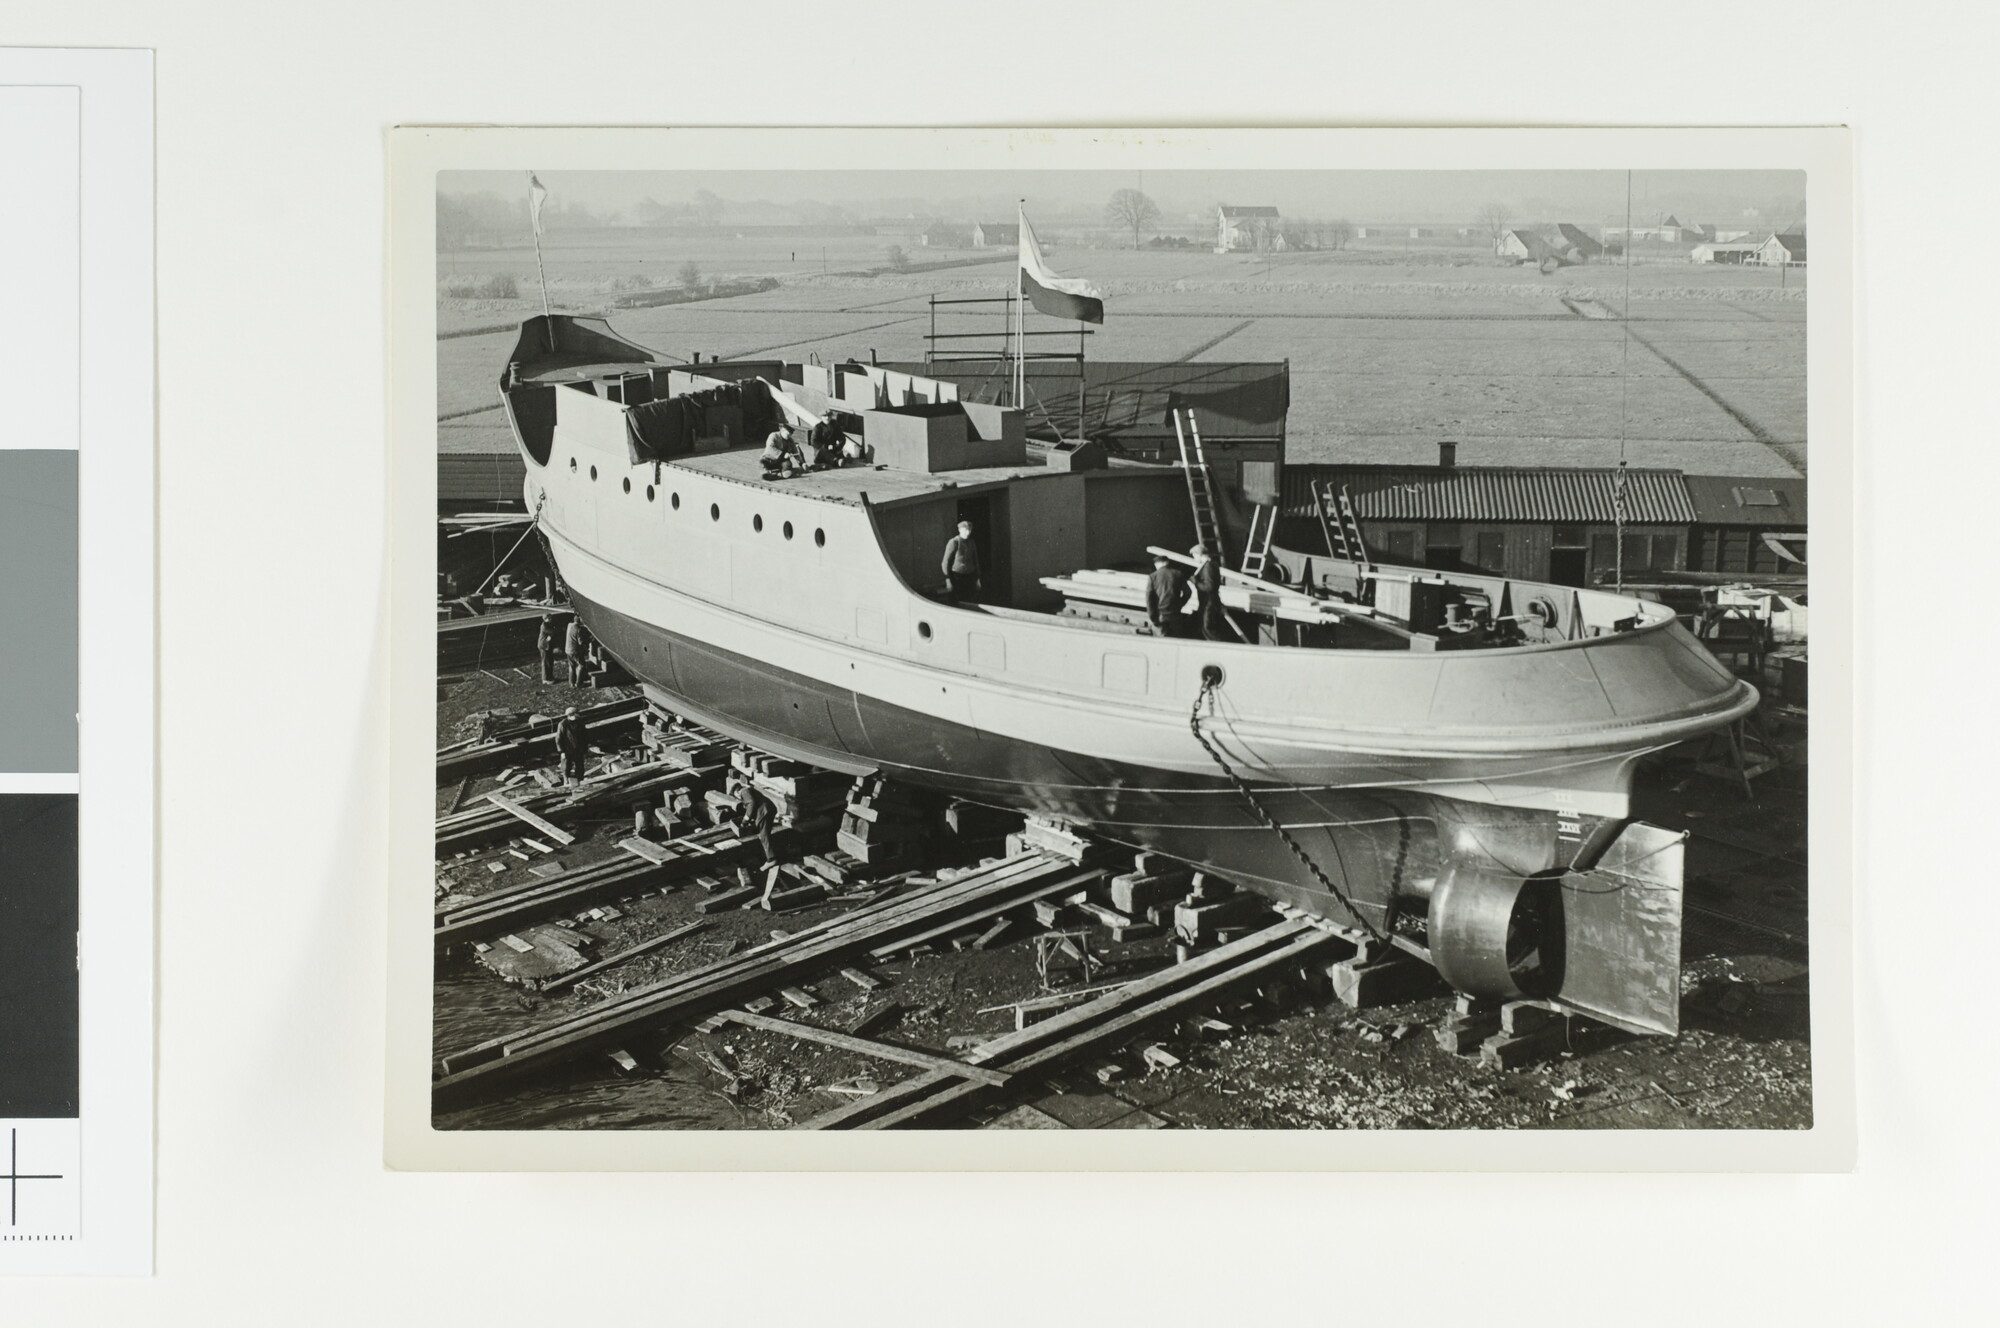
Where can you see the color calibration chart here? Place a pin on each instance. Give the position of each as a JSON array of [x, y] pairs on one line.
[[76, 662]]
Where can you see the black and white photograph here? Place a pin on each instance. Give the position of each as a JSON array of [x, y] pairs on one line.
[[1122, 649]]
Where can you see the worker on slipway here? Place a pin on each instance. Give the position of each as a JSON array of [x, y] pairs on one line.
[[961, 565], [570, 745], [1207, 582], [758, 815], [1166, 592], [575, 650], [545, 646]]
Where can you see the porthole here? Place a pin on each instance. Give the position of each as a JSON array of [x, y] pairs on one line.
[[757, 524], [715, 512], [788, 530], [649, 493], [628, 483], [819, 538], [572, 465], [674, 501], [1211, 675], [593, 472], [924, 630]]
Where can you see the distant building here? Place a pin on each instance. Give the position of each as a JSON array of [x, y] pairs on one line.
[[1674, 232], [1784, 250], [945, 235], [1581, 246], [996, 235], [1752, 526], [1524, 245], [1717, 251], [1244, 228], [1532, 523]]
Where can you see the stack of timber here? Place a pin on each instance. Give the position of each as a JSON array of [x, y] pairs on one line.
[[606, 794], [676, 741], [1109, 1021], [534, 742], [883, 824], [805, 796], [874, 930]]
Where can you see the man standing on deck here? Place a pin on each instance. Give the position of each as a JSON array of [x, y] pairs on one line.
[[573, 648], [1207, 581], [1166, 591], [570, 745], [545, 646], [961, 565]]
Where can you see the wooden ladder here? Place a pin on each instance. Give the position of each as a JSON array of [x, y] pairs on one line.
[[1263, 529], [1336, 519], [1201, 493]]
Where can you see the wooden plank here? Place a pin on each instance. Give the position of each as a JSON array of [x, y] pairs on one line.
[[647, 849], [516, 810], [879, 1050]]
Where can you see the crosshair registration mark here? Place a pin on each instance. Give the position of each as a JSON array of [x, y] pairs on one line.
[[14, 1177]]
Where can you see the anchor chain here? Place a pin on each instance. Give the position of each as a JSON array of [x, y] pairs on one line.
[[1209, 683]]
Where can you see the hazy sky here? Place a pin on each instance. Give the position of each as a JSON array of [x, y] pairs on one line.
[[1594, 196]]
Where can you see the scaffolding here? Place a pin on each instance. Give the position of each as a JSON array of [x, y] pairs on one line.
[[1005, 345]]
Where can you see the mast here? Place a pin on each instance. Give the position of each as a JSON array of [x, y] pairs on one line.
[[1020, 306]]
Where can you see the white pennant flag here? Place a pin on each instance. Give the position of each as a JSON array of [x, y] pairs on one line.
[[536, 197]]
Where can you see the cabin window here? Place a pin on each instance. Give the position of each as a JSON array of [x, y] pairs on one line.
[[757, 523], [572, 465], [593, 472], [924, 630], [674, 501], [649, 493], [627, 482], [788, 530], [819, 538]]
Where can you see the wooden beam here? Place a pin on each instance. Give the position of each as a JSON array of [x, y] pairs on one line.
[[879, 1050], [516, 810]]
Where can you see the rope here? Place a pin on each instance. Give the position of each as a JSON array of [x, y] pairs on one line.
[[1209, 683], [534, 524]]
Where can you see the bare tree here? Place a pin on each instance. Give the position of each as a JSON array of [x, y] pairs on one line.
[[1338, 233], [690, 274], [1494, 217], [1132, 210], [898, 260]]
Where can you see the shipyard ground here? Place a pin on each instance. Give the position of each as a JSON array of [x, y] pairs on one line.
[[1279, 1055]]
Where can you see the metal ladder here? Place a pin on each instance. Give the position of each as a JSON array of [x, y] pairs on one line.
[[1263, 529], [1201, 493]]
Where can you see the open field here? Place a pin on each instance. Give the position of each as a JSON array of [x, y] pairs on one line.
[[1391, 351]]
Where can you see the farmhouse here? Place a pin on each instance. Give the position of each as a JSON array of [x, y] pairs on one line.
[[1784, 250], [1525, 245], [996, 235], [1244, 228], [1533, 523], [1580, 246], [1717, 251], [944, 234]]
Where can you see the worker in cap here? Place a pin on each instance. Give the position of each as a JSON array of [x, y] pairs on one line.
[[1207, 580], [545, 646], [1166, 592], [571, 747]]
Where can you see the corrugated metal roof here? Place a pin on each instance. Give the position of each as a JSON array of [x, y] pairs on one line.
[[1495, 493], [1731, 500]]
